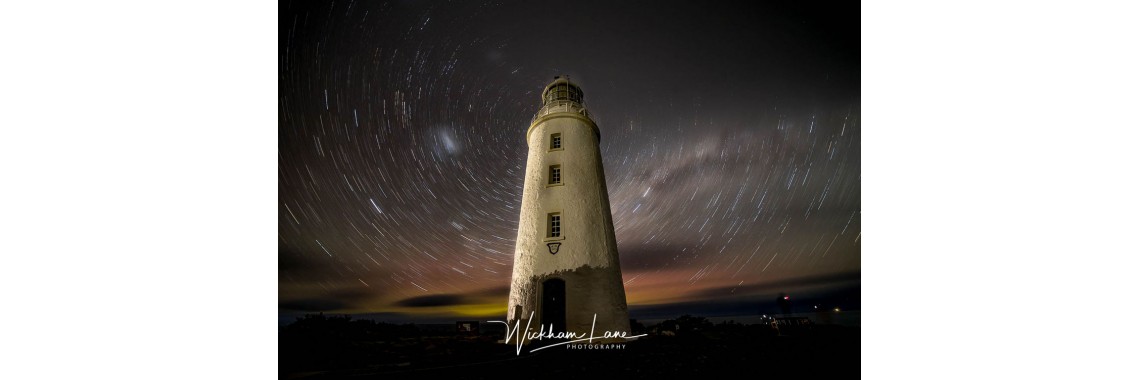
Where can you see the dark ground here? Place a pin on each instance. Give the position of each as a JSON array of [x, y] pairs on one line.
[[328, 348]]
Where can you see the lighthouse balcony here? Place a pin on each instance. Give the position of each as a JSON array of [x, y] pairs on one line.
[[561, 106]]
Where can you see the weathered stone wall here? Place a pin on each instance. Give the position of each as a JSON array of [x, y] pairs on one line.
[[587, 257], [589, 290]]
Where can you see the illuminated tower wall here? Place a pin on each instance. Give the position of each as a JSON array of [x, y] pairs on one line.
[[566, 265]]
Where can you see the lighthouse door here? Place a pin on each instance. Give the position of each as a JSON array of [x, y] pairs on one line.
[[554, 304]]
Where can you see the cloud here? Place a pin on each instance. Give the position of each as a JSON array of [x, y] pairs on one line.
[[433, 300], [312, 305], [293, 265], [828, 280], [498, 291], [341, 299], [846, 296], [647, 257]]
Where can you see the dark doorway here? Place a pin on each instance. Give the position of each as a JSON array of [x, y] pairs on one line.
[[554, 304]]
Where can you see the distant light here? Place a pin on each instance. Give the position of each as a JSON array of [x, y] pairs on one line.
[[837, 309], [785, 297], [815, 307]]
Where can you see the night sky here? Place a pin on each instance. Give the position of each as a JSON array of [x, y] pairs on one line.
[[730, 140]]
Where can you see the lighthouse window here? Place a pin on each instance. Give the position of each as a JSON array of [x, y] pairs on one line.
[[555, 225], [559, 92], [556, 141], [555, 174]]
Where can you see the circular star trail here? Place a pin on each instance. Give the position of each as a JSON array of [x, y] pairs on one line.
[[730, 140]]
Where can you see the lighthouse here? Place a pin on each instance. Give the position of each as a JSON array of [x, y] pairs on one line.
[[566, 269]]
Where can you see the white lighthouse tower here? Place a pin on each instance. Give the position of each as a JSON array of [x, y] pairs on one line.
[[566, 259]]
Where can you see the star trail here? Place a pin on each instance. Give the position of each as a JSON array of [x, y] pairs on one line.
[[730, 141]]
